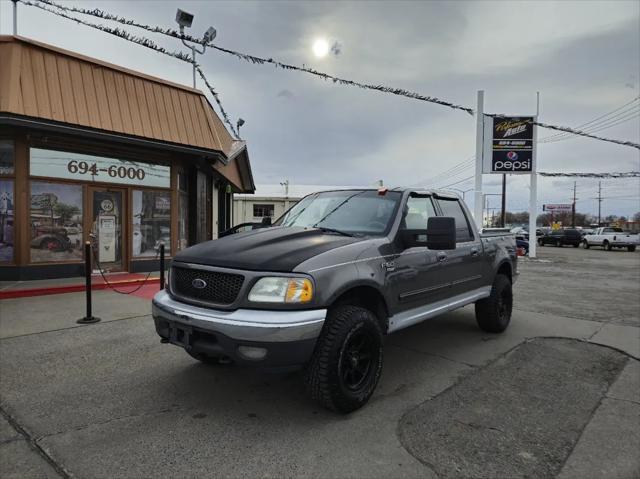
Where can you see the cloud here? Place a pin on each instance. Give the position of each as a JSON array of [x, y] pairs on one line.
[[583, 57]]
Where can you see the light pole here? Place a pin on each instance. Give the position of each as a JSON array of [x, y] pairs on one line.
[[185, 19], [462, 192]]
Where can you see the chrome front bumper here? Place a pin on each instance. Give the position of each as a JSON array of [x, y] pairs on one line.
[[263, 326]]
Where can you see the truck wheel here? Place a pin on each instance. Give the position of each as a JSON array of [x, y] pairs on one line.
[[606, 245], [494, 313], [540, 242], [347, 361], [558, 244], [631, 248], [585, 244], [203, 358]]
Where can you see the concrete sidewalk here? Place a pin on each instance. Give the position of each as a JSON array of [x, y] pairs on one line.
[[108, 400]]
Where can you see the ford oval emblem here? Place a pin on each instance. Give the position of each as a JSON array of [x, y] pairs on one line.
[[199, 283]]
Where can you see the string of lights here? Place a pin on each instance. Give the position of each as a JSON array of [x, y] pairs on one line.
[[270, 61], [627, 174], [145, 42], [258, 60]]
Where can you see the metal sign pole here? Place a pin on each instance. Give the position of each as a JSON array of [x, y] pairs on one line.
[[479, 150], [15, 17], [533, 199]]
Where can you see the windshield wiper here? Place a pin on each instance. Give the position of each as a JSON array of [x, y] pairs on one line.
[[342, 203], [333, 230]]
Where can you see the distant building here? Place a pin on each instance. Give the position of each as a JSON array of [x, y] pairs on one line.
[[270, 200]]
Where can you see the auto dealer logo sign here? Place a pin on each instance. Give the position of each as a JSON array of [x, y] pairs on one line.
[[508, 144]]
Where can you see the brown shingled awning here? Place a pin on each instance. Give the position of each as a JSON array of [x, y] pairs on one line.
[[47, 83]]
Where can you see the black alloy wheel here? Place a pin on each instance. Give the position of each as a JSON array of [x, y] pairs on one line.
[[356, 360]]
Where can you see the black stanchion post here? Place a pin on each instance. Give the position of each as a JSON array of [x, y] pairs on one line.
[[161, 265], [89, 317]]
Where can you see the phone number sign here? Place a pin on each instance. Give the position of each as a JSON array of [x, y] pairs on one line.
[[76, 166]]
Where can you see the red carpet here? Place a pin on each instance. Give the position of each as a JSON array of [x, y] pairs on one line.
[[122, 281]]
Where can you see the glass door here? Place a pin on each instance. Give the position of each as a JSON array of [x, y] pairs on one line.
[[107, 206]]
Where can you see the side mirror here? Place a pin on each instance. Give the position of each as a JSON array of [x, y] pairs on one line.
[[266, 221], [441, 233]]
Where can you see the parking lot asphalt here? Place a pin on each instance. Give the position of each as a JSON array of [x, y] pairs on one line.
[[108, 400]]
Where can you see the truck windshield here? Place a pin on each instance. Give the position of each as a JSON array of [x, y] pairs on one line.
[[355, 212]]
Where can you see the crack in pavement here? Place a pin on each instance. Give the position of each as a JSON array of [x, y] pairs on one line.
[[106, 421], [102, 323], [432, 354], [33, 443]]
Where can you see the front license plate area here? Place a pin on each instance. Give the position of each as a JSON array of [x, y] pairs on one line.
[[180, 335]]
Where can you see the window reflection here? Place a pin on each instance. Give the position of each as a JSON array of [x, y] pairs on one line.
[[151, 222]]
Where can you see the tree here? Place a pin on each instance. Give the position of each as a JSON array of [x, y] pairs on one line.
[[65, 211]]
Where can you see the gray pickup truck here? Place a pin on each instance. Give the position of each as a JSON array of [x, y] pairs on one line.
[[320, 288]]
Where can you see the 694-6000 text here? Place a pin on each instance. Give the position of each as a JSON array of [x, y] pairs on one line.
[[114, 171]]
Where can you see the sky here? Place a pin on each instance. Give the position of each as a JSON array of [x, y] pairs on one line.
[[582, 56]]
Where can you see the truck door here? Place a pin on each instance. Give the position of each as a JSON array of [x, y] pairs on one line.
[[465, 266], [416, 280]]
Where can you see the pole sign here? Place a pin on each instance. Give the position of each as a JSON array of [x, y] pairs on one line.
[[558, 208], [508, 145]]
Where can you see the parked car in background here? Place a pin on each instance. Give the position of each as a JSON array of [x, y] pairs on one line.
[[568, 236], [524, 244], [610, 237]]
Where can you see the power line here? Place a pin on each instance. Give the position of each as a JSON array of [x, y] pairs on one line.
[[262, 61], [595, 119], [453, 171], [599, 126]]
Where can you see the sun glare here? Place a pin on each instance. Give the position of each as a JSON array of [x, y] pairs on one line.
[[320, 48]]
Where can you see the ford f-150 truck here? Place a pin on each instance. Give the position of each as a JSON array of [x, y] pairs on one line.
[[320, 288], [610, 237]]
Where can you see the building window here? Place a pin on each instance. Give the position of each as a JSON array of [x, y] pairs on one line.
[[6, 157], [262, 210], [151, 222], [56, 222], [6, 221]]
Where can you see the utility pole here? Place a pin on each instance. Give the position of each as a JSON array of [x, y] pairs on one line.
[[503, 216], [15, 17], [599, 202], [573, 208], [478, 210]]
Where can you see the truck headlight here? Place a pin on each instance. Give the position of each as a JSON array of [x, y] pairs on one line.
[[281, 290]]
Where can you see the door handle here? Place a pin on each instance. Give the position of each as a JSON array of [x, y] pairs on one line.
[[441, 257], [474, 252]]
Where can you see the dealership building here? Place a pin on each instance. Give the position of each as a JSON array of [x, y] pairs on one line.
[[91, 151]]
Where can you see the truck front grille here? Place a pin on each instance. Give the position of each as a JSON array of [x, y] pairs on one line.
[[209, 286]]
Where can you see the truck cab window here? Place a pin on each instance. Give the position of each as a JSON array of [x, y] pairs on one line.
[[453, 209], [419, 210]]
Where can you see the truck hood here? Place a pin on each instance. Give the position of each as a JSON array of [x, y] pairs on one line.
[[269, 249]]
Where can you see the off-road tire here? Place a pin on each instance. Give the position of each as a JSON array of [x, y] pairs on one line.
[[324, 374], [631, 248], [493, 314], [585, 245], [206, 359]]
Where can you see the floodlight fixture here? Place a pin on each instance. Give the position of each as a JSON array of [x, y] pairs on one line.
[[210, 34], [184, 19]]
